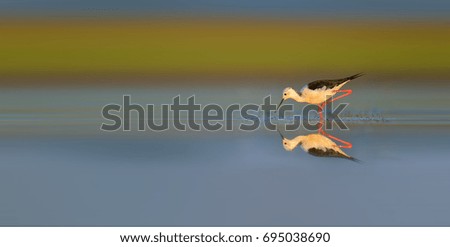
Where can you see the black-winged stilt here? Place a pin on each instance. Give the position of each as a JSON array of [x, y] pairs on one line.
[[319, 92], [318, 144]]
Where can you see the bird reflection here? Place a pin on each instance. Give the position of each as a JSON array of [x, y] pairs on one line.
[[320, 144]]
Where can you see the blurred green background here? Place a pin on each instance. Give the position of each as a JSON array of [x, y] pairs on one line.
[[149, 42]]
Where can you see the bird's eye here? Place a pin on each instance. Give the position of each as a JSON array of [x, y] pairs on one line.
[[285, 143], [284, 94]]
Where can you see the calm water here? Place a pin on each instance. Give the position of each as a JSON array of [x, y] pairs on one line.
[[58, 168]]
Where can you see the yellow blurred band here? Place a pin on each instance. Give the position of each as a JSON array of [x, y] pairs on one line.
[[222, 48]]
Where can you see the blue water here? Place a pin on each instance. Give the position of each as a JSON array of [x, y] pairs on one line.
[[58, 168]]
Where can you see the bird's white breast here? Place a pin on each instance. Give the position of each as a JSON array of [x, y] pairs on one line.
[[319, 95], [317, 141], [320, 142]]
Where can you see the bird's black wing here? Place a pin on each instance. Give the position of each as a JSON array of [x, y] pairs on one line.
[[328, 153], [329, 84]]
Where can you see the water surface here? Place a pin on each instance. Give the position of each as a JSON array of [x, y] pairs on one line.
[[58, 168]]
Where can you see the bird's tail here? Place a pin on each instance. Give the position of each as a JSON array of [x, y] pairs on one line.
[[355, 76]]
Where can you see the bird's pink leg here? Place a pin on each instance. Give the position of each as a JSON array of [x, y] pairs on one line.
[[346, 92], [345, 144], [320, 112], [320, 130]]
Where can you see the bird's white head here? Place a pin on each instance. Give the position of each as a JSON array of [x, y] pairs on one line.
[[290, 145], [289, 93]]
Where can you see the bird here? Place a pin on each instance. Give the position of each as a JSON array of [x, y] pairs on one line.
[[319, 92], [318, 145]]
